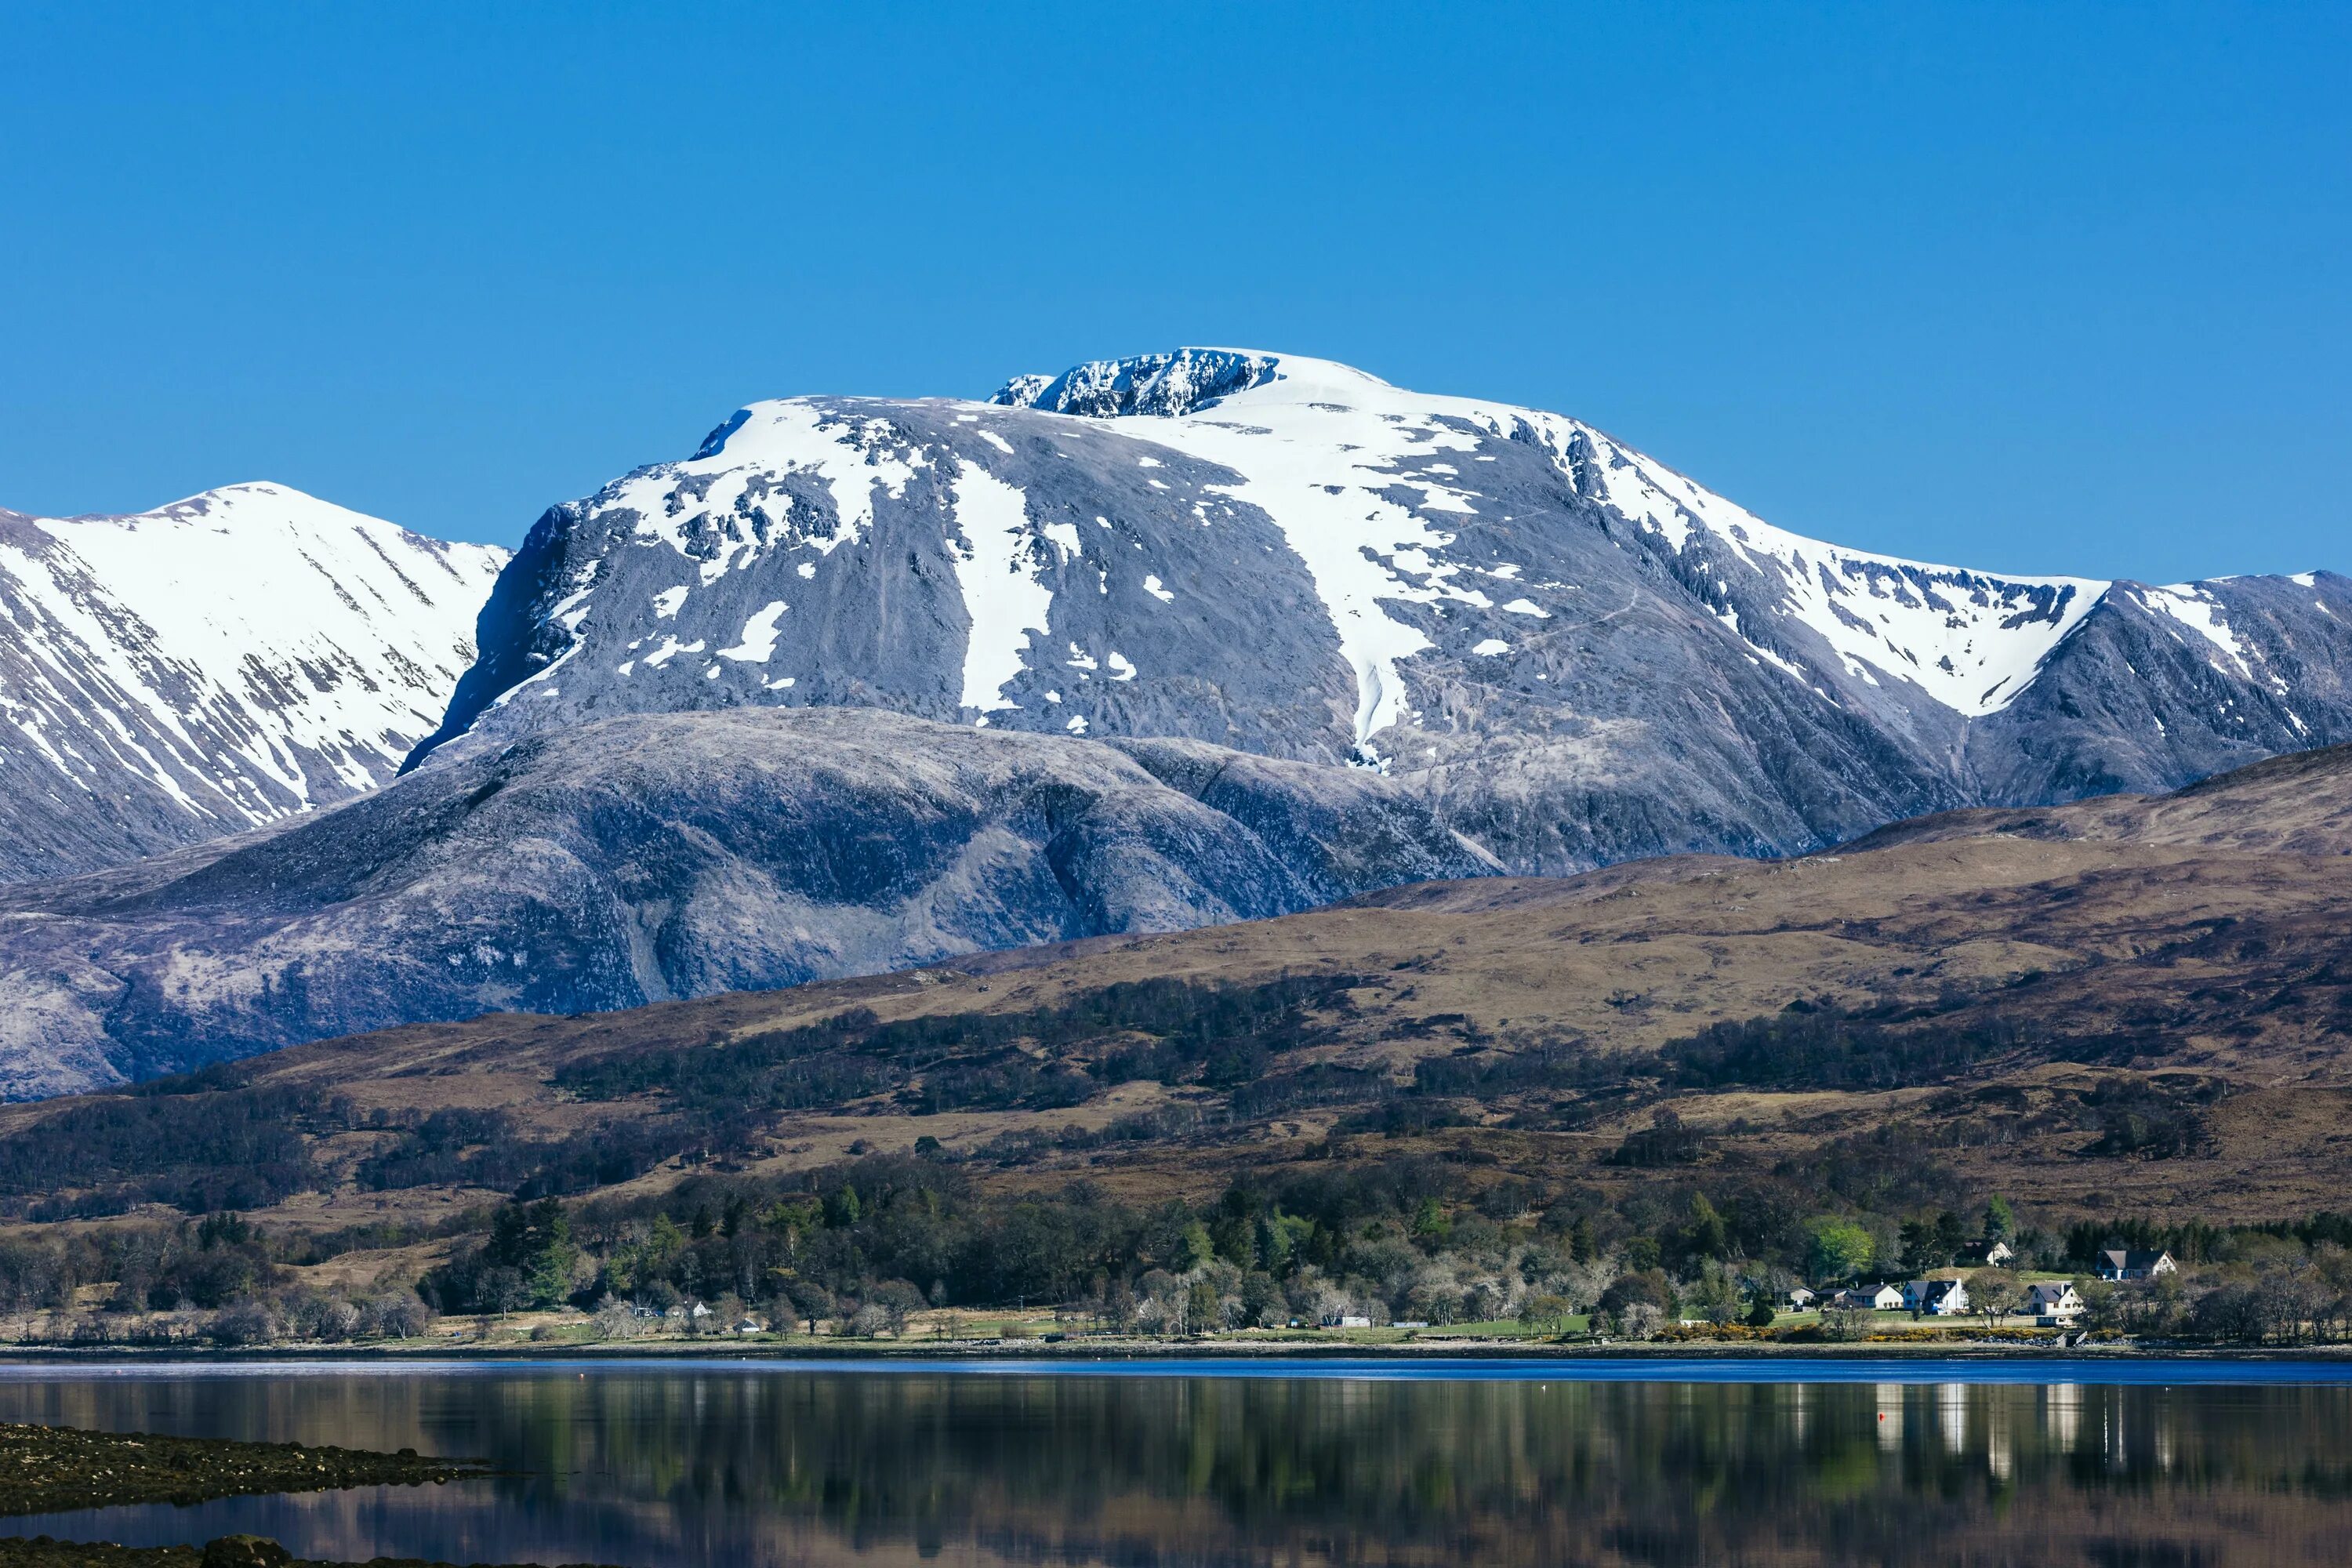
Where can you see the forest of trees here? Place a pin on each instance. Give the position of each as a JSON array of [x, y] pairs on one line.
[[217, 1140], [864, 1244], [1436, 1238], [861, 1246]]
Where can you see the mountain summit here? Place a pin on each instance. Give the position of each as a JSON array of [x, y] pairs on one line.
[[1574, 653], [1170, 641], [214, 665]]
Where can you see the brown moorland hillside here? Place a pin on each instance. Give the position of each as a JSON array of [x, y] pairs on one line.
[[2128, 1006]]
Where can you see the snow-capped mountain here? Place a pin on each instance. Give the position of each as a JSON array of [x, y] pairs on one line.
[[1575, 652], [1318, 635], [214, 665]]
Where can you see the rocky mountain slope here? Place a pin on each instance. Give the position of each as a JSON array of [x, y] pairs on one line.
[[648, 856], [214, 665], [1156, 643], [1576, 654], [2128, 1006]]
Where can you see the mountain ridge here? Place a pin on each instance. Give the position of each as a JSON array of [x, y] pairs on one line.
[[1577, 653], [212, 665], [647, 856], [1176, 641]]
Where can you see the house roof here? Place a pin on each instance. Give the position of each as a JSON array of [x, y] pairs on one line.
[[1868, 1292]]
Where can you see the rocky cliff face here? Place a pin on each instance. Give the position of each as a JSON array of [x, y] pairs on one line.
[[214, 665], [2158, 686], [1573, 653], [661, 856]]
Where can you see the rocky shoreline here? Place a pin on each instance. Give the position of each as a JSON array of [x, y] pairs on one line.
[[47, 1469], [228, 1552]]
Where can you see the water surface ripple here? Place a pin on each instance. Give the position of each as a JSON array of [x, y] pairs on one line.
[[651, 1464]]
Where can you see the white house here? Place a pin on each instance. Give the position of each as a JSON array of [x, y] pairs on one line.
[[1935, 1298], [2054, 1304], [751, 1326], [1798, 1300], [1990, 1253], [1869, 1297], [2117, 1263], [1345, 1321]]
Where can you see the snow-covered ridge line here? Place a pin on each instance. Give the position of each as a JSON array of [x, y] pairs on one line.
[[1367, 485], [223, 660], [1580, 652], [1971, 640]]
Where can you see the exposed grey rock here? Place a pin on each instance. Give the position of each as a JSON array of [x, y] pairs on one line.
[[1168, 384], [1575, 654], [673, 855], [2139, 699]]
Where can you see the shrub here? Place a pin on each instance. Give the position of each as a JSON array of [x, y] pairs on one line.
[[1641, 1321], [1844, 1324], [246, 1323]]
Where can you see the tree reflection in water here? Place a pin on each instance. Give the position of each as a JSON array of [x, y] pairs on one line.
[[780, 1465]]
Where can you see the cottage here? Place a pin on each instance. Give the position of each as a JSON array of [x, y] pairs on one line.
[[2054, 1304], [1345, 1321], [1935, 1298], [751, 1326], [2119, 1263], [1798, 1300], [1990, 1253], [1869, 1298]]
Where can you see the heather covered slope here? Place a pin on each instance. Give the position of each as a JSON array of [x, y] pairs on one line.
[[660, 856], [211, 666], [1575, 654]]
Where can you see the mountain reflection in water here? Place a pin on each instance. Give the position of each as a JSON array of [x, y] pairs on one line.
[[778, 1465]]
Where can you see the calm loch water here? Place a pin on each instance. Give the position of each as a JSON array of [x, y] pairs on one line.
[[761, 1464]]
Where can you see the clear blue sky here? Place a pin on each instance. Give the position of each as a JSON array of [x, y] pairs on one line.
[[2038, 288]]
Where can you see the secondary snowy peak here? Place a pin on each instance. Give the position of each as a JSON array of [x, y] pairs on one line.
[[1970, 640], [213, 664]]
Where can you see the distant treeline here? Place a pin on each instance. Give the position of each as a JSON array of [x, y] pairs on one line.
[[866, 1242], [1406, 1237], [200, 1142], [219, 1140], [1176, 1031]]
